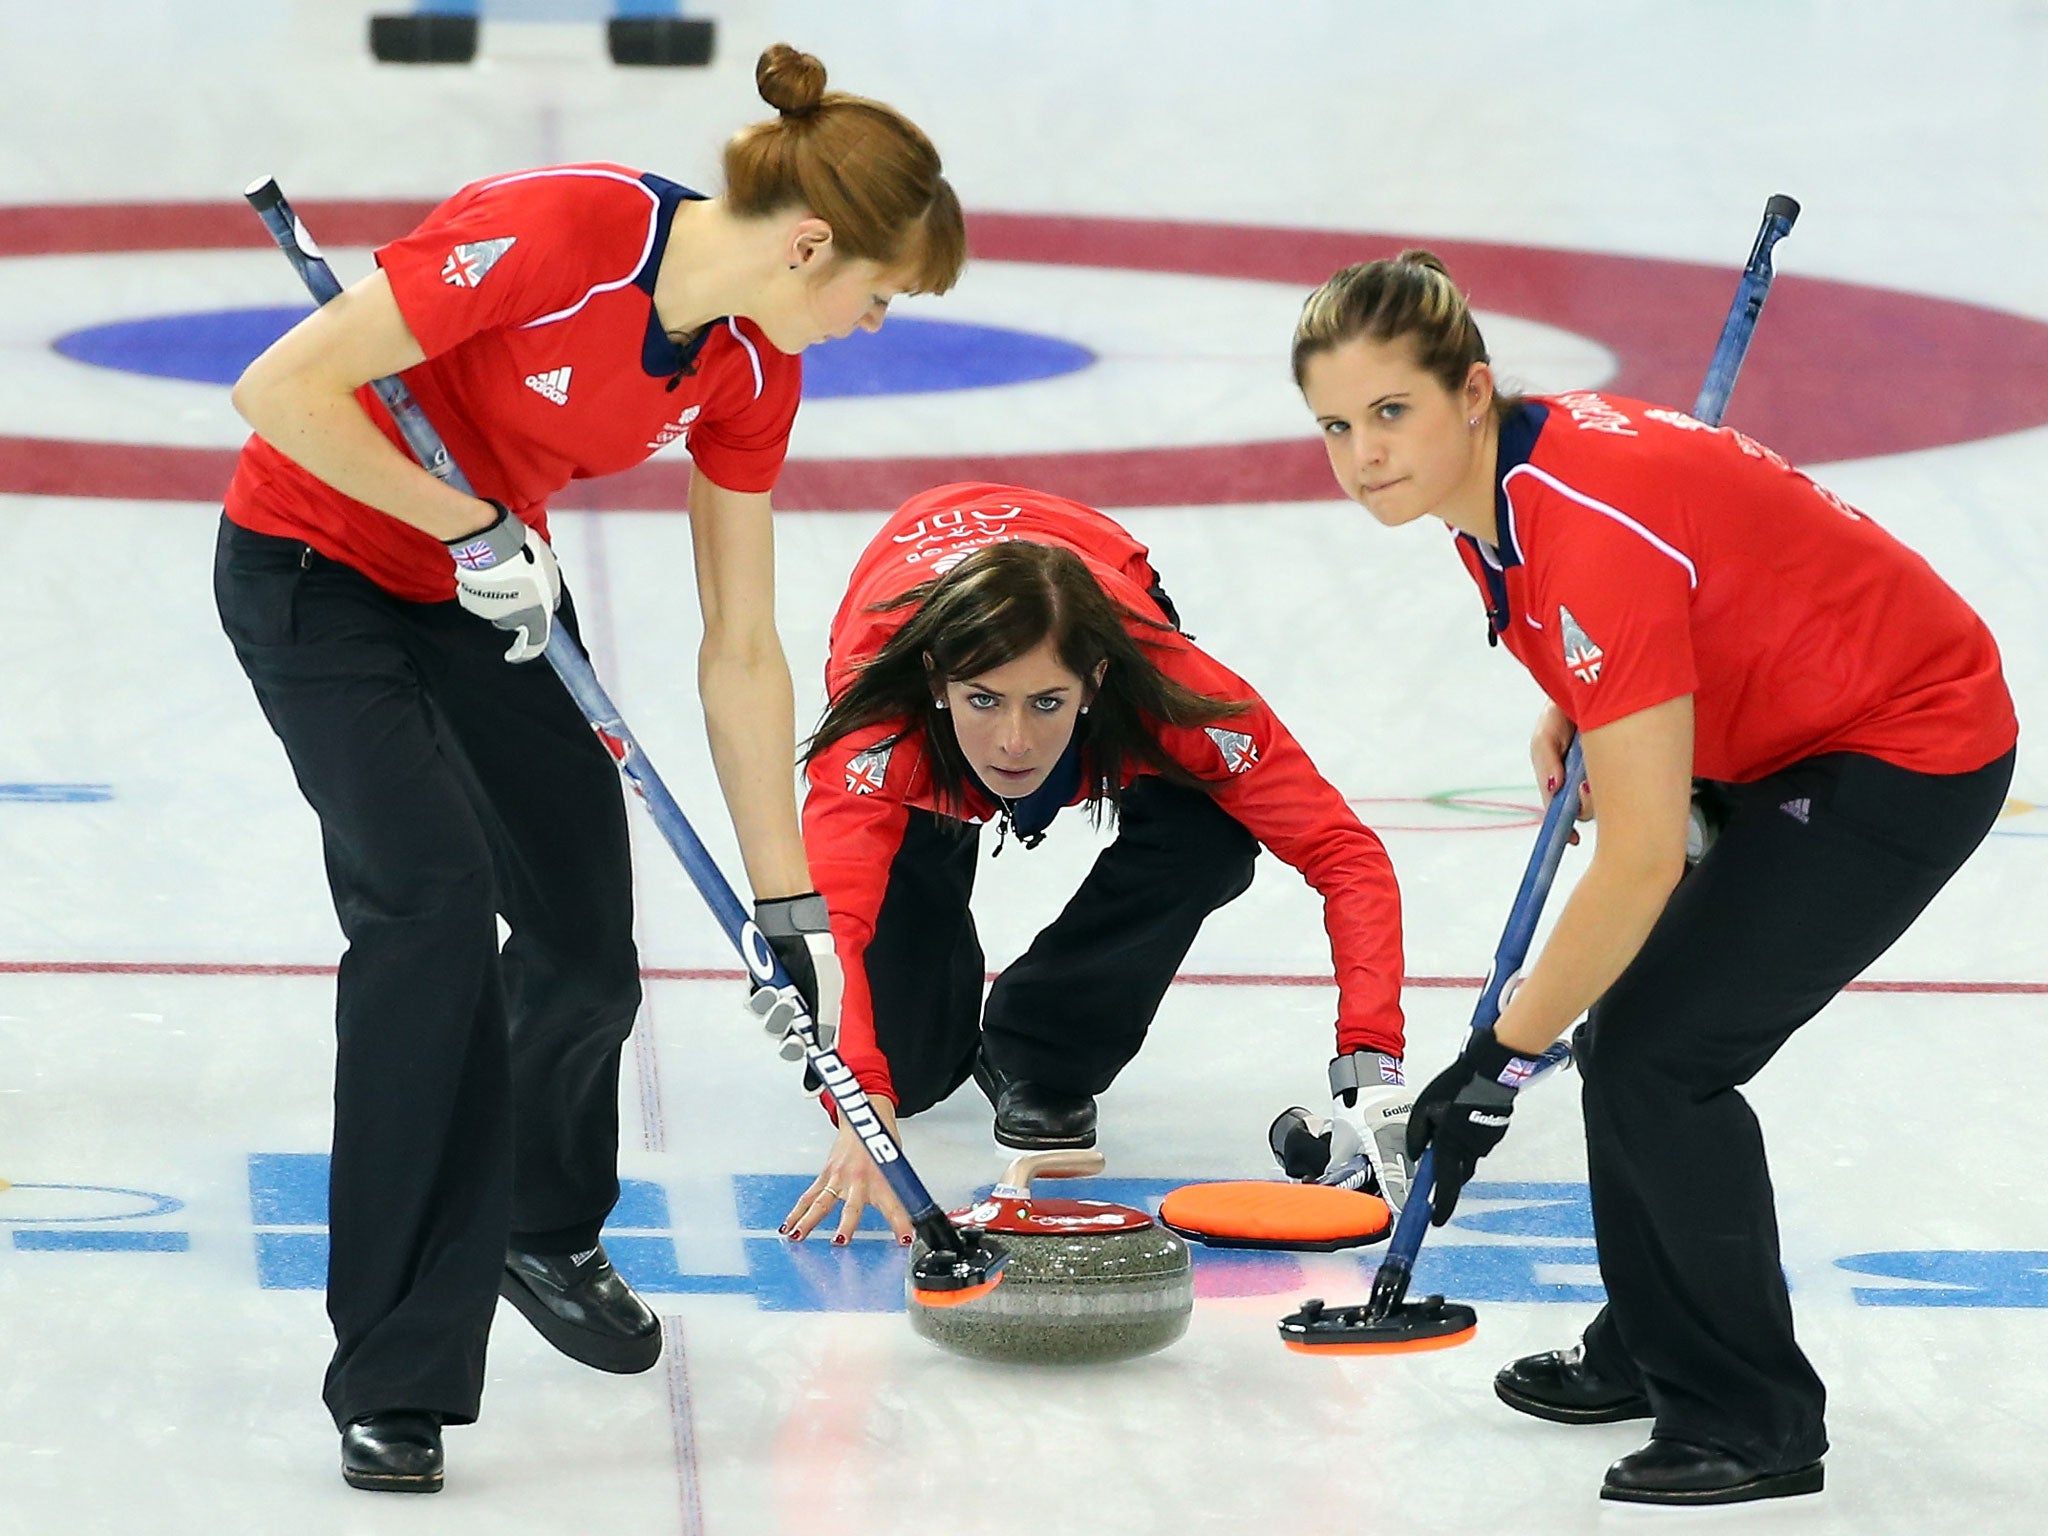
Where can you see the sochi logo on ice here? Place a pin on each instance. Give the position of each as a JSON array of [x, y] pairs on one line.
[[470, 264], [1240, 752], [867, 771], [1580, 653]]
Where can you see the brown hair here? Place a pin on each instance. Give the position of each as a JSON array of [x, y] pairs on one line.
[[994, 606], [1410, 295], [862, 167]]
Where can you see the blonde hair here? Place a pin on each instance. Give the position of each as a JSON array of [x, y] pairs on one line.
[[861, 166], [1409, 296]]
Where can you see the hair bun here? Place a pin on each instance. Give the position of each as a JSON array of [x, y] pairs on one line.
[[790, 80], [1429, 261]]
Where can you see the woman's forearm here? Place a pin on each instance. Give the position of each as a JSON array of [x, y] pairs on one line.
[[750, 718], [299, 396], [332, 438], [1601, 929]]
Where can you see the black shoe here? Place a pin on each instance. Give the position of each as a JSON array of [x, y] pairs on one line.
[[1032, 1118], [392, 1453], [1561, 1387], [1676, 1472], [987, 1079], [582, 1307]]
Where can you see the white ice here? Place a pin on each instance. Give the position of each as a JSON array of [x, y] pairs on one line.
[[147, 1055]]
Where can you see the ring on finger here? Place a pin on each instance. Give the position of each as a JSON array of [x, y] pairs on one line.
[[835, 1194]]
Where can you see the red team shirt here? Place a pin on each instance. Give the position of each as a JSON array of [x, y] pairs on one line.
[[532, 296], [862, 788], [1645, 555]]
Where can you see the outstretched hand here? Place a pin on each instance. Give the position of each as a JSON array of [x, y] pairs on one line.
[[851, 1181]]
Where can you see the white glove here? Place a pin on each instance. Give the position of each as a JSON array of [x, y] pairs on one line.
[[1363, 1144], [799, 930], [507, 574]]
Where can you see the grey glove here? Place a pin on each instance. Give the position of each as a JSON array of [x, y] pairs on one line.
[[799, 930]]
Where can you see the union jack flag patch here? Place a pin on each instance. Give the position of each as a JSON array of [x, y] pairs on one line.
[[476, 555], [1239, 751], [1517, 1072], [468, 265], [1580, 653], [867, 771]]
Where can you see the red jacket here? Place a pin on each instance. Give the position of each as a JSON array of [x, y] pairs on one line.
[[532, 296], [1644, 556], [863, 787]]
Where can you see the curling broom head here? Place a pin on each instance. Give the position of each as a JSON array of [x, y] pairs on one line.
[[1431, 1323], [1254, 1213]]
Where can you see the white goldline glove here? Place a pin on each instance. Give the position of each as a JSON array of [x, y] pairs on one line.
[[507, 574], [1363, 1144], [799, 930]]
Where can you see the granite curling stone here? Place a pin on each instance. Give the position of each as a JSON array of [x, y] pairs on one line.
[[1086, 1280]]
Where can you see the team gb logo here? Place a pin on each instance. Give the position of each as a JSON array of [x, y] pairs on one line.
[[1580, 653], [867, 771], [1239, 751]]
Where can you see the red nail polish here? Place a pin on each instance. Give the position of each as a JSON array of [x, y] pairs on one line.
[[904, 1241], [839, 1240], [1550, 786]]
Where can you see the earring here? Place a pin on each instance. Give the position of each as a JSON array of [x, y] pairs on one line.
[[1084, 709], [938, 703], [1473, 422]]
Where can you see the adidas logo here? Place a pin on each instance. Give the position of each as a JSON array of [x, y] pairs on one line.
[[552, 385], [1800, 810]]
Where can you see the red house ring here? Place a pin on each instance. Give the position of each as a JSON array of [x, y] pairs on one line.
[[1839, 370]]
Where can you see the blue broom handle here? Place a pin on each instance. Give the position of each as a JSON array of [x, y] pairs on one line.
[[1390, 1281]]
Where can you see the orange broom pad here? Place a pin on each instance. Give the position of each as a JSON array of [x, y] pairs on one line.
[[1261, 1213]]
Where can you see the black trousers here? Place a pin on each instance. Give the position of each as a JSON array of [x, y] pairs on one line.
[[1817, 871], [475, 1090], [1073, 1010]]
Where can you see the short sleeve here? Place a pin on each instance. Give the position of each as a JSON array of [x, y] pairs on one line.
[[518, 249], [1616, 603], [742, 437]]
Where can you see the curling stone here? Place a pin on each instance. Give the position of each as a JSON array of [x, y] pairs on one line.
[[1086, 1280]]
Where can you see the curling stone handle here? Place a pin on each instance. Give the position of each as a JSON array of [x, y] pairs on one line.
[[1062, 1163]]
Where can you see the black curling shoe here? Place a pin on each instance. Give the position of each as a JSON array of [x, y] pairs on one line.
[[1676, 1472], [1561, 1387], [394, 1452], [582, 1307], [1033, 1118]]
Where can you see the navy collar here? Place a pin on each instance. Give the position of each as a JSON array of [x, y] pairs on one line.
[[661, 356], [1029, 816], [1518, 434]]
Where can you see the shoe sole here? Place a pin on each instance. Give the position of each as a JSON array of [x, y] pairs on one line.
[[1537, 1408], [601, 1352], [1043, 1143], [392, 1482], [1775, 1485]]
